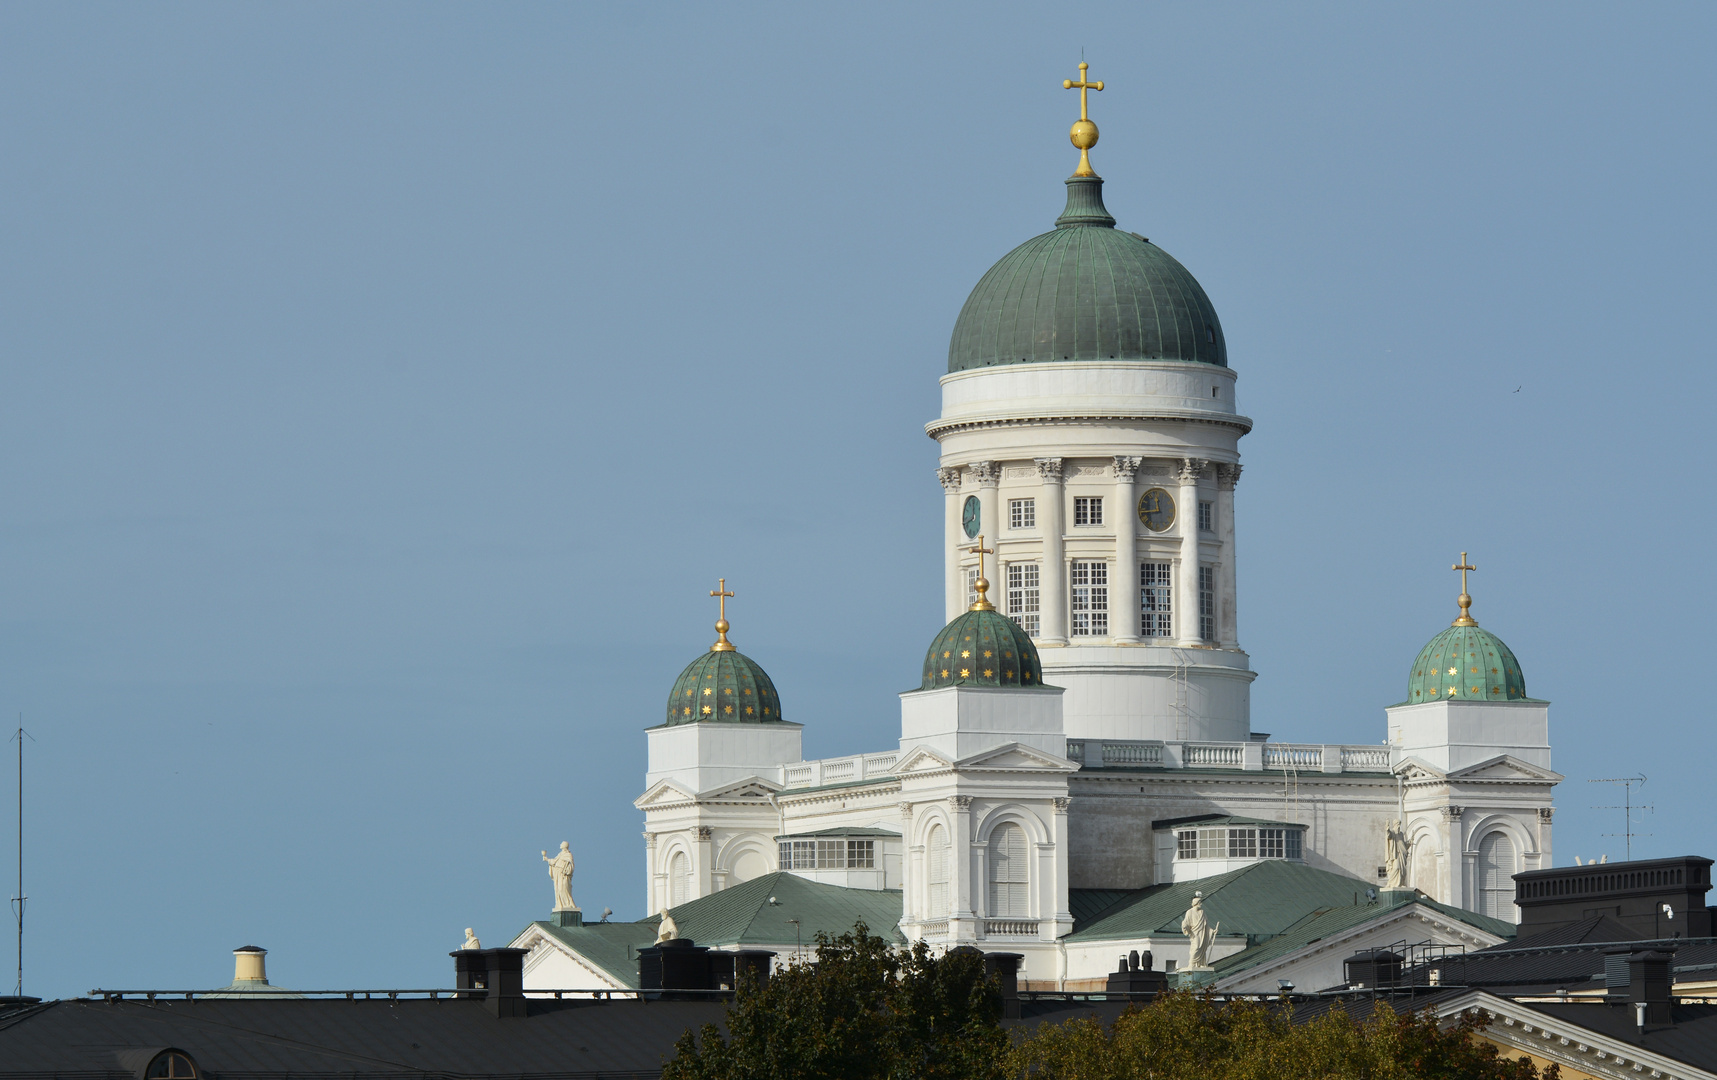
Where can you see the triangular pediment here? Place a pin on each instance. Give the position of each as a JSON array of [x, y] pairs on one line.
[[1016, 756], [754, 787], [1415, 768], [663, 793], [1505, 767], [920, 759]]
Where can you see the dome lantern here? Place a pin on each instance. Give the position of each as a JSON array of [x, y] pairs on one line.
[[1465, 662], [723, 685]]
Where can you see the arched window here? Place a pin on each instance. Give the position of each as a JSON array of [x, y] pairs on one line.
[[1496, 877], [1010, 874], [938, 892], [679, 879], [171, 1065]]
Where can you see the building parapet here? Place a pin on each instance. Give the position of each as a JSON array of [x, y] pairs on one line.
[[1245, 756]]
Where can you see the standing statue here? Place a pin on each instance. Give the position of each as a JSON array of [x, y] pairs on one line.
[[471, 941], [667, 931], [1395, 850], [560, 870], [1200, 933]]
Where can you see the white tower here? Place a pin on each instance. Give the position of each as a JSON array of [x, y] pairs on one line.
[[1089, 426]]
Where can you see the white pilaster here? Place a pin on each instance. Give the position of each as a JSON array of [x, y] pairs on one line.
[[1052, 580], [703, 868], [1186, 519], [989, 475], [962, 921], [952, 535], [1227, 595], [1124, 592], [652, 891], [1063, 913], [1457, 841]]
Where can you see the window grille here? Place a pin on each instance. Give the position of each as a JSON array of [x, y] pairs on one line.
[[1088, 510], [971, 585], [1156, 585], [1205, 516], [938, 891], [1009, 873], [1186, 844], [1242, 843], [1090, 599], [1022, 595], [1207, 603], [1270, 845], [1238, 843], [840, 853], [1022, 513]]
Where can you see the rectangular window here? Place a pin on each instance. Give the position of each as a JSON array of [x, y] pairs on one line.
[[798, 854], [1205, 516], [1293, 844], [1022, 595], [1022, 513], [1213, 843], [1242, 843], [1155, 587], [1090, 599], [1207, 603], [971, 574], [835, 854], [861, 854], [1270, 844], [1088, 510], [1186, 844]]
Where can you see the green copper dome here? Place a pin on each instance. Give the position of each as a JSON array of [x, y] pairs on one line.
[[982, 648], [1465, 663], [725, 686], [1086, 291]]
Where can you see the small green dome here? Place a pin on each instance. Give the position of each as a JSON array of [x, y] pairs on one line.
[[725, 686], [1465, 663], [1086, 291], [982, 648]]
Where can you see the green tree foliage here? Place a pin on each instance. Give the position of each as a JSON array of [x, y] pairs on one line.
[[862, 1011], [1187, 1037]]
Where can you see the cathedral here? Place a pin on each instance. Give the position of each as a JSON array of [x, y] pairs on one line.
[[1078, 762]]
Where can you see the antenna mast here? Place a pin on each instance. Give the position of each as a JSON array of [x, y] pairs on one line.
[[1627, 808], [19, 899]]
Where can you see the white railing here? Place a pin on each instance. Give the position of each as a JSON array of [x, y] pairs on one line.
[[1075, 749], [836, 771], [935, 929], [839, 770], [1217, 755], [1119, 753], [879, 764], [1366, 758], [1014, 927], [798, 775], [1284, 756]]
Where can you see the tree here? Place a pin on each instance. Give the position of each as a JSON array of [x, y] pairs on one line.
[[1188, 1037], [862, 1011]]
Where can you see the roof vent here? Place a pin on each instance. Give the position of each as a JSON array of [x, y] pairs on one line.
[[248, 966]]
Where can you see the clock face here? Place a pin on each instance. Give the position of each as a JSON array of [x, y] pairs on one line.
[[969, 516], [1156, 509]]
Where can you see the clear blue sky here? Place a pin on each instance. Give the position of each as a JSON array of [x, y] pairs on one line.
[[384, 386]]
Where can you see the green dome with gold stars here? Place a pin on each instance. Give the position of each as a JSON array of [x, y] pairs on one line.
[[1465, 663], [724, 686], [982, 647]]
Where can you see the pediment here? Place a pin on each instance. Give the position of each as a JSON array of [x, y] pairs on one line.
[[921, 759], [1505, 767], [663, 793], [1416, 768], [1016, 756], [754, 787]]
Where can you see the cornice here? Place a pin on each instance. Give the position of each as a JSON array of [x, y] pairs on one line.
[[1525, 1028], [938, 428]]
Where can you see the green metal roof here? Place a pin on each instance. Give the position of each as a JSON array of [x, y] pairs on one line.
[[982, 648], [1465, 663], [1257, 902], [725, 687], [1086, 291], [838, 832], [613, 947], [1221, 819], [1326, 922]]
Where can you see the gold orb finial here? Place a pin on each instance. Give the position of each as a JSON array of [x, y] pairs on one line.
[[1084, 133], [721, 592], [1466, 601], [982, 584]]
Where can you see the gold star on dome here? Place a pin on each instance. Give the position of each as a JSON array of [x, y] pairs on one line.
[[987, 654], [946, 654], [688, 710], [1007, 674], [1473, 690], [964, 672], [1473, 671], [1453, 671], [748, 710], [965, 654], [944, 673], [706, 710], [707, 691], [989, 673], [728, 709]]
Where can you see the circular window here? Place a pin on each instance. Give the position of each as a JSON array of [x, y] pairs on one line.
[[171, 1065]]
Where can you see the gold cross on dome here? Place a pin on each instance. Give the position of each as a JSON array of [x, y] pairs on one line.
[[722, 593], [1084, 133], [1466, 601], [982, 585]]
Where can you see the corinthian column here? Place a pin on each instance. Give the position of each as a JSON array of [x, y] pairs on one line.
[[1124, 596], [989, 476], [1227, 595], [1052, 580], [1186, 516], [952, 535]]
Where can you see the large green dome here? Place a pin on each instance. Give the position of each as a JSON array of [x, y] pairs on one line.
[[1465, 663], [982, 648], [724, 686], [1086, 291]]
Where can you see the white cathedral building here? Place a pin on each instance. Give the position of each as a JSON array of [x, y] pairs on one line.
[[1079, 756]]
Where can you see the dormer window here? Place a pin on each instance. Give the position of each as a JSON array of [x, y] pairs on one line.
[[171, 1065]]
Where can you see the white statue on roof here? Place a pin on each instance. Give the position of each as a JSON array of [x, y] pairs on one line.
[[560, 871], [667, 931], [1200, 933], [471, 941], [1395, 856]]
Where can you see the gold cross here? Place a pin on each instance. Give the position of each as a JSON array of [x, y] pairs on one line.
[[722, 644], [1464, 600], [1084, 133], [982, 585]]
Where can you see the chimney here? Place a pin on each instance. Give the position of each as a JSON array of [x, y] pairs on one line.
[[1648, 985], [496, 977], [1004, 968], [679, 964], [248, 965]]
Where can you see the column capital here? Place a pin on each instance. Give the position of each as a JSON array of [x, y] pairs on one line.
[[704, 832], [1126, 468], [905, 811], [1227, 476], [950, 479], [1049, 469], [1191, 468], [959, 802], [1062, 803], [1453, 813], [986, 473], [1545, 812], [649, 839]]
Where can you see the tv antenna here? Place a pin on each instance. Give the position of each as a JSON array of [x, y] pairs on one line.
[[1627, 808], [19, 899]]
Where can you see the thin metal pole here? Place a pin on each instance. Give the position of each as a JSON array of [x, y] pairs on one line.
[[19, 899]]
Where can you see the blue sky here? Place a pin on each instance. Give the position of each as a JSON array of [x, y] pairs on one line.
[[383, 387]]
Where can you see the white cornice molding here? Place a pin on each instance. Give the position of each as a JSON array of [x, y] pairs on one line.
[[1525, 1028], [938, 428], [1431, 917]]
